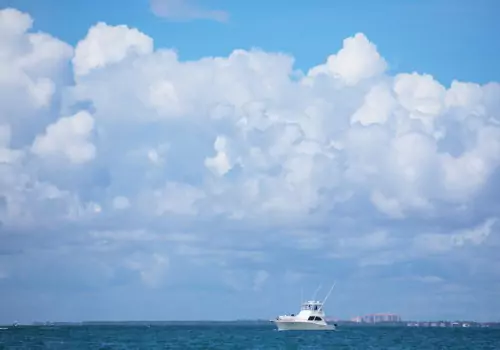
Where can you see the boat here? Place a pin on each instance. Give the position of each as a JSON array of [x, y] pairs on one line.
[[311, 317]]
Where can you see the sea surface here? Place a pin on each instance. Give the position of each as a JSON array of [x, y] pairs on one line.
[[227, 336]]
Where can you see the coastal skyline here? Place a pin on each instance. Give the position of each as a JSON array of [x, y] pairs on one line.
[[190, 160], [261, 321]]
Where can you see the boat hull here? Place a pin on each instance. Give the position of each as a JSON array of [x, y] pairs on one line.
[[303, 326]]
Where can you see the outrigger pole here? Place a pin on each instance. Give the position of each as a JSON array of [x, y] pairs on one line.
[[316, 292], [326, 298]]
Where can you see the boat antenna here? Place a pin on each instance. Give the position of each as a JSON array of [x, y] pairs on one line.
[[316, 292], [329, 292]]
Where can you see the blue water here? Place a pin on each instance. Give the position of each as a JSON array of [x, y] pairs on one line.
[[216, 336]]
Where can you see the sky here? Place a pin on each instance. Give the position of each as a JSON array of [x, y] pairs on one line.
[[183, 160]]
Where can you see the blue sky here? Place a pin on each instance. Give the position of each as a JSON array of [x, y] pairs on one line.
[[162, 159], [450, 39]]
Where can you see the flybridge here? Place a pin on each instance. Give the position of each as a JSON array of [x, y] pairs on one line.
[[312, 305]]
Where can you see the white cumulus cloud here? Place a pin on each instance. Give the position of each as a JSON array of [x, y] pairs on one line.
[[68, 137], [237, 161]]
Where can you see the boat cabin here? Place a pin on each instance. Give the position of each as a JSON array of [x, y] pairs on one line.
[[312, 311]]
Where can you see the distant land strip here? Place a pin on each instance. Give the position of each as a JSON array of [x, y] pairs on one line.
[[436, 324]]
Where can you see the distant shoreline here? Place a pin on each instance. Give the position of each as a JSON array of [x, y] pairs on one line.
[[422, 324]]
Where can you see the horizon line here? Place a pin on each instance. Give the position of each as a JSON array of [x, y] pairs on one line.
[[236, 321]]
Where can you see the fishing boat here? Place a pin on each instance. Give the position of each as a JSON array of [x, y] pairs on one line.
[[310, 317]]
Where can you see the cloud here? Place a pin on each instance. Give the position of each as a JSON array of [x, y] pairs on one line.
[[150, 268], [443, 242], [126, 171], [67, 136], [357, 60], [184, 10]]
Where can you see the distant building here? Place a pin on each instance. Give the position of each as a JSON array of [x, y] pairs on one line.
[[376, 318]]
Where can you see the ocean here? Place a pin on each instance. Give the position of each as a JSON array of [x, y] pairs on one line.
[[236, 336]]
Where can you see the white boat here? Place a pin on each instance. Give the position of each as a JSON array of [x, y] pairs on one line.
[[311, 317]]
